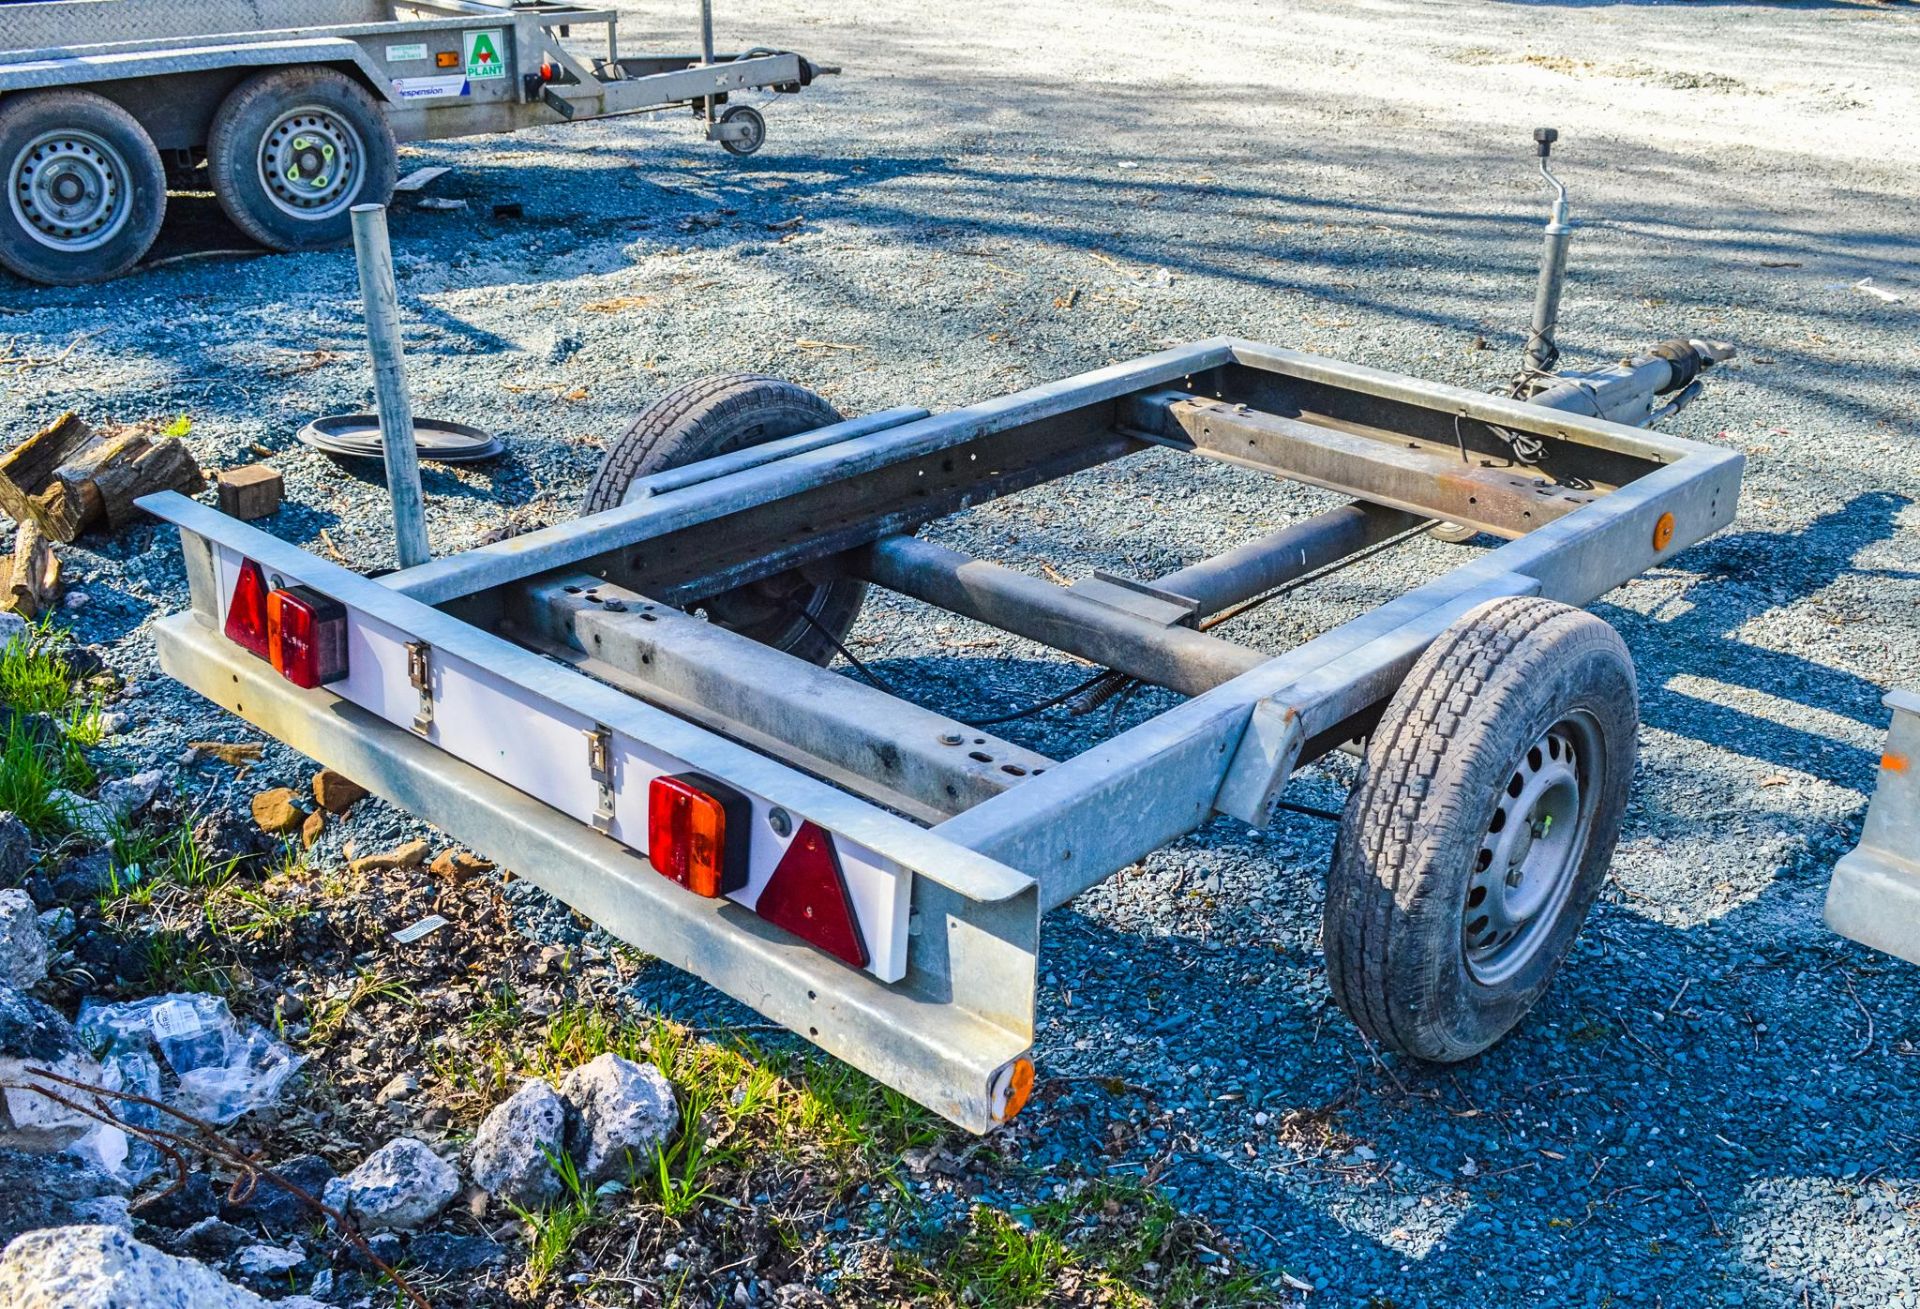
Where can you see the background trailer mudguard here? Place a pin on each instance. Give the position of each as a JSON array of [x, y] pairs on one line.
[[550, 699]]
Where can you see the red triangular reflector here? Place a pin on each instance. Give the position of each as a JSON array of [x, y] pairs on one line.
[[807, 895], [247, 610]]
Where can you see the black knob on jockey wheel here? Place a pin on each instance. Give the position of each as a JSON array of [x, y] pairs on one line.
[[1543, 139]]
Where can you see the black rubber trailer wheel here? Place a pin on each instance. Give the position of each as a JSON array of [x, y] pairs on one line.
[[86, 191], [1481, 827], [715, 416], [292, 151]]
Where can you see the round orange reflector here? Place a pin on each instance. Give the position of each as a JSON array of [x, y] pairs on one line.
[[1019, 1088], [1663, 532]]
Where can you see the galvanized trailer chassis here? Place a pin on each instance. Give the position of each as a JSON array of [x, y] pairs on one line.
[[553, 675]]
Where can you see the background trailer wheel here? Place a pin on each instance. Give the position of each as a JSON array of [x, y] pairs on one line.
[[714, 416], [746, 130], [291, 151], [1481, 827], [86, 191]]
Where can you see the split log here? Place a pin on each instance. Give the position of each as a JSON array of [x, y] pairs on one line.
[[30, 580], [66, 477], [168, 466], [29, 491]]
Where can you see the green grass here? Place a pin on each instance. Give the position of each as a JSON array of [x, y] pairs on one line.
[[686, 1168], [1001, 1263], [1121, 1245], [146, 859], [30, 773], [556, 1229], [332, 1015], [177, 962], [36, 679]]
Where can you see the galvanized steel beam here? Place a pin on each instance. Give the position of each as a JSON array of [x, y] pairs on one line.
[[1066, 619], [943, 1036], [1386, 470], [1284, 554], [891, 751]]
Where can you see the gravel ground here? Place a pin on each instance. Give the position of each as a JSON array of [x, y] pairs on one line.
[[1717, 1103]]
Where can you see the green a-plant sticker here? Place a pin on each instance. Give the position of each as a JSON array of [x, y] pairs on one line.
[[484, 60]]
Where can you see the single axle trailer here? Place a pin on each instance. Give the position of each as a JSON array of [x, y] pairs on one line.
[[294, 107], [630, 709]]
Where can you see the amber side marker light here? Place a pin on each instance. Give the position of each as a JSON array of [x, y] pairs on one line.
[[1663, 532], [697, 833], [1019, 1085], [447, 59]]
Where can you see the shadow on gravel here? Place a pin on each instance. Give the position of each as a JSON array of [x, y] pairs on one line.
[[1680, 1120], [1748, 574]]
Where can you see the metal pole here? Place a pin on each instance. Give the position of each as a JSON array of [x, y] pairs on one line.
[[381, 299], [1180, 658], [706, 51]]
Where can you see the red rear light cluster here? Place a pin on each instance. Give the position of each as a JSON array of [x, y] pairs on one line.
[[300, 632], [306, 636], [689, 820], [247, 611]]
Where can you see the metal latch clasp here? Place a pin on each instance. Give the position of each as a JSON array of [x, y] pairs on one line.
[[420, 674], [600, 769]]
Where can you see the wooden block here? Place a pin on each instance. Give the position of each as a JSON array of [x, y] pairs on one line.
[[250, 492]]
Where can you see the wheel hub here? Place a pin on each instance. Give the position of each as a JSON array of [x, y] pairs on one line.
[[1530, 854], [68, 189], [310, 163]]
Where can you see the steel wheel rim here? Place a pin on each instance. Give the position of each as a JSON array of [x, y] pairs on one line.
[[756, 130], [311, 163], [69, 190], [1528, 859]]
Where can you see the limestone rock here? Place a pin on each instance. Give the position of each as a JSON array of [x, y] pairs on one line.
[[56, 1190], [35, 1036], [622, 1113], [23, 944], [16, 849], [104, 1268], [512, 1153], [402, 1184], [276, 1208]]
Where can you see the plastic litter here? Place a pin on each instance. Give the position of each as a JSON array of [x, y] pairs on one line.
[[189, 1051], [418, 931]]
